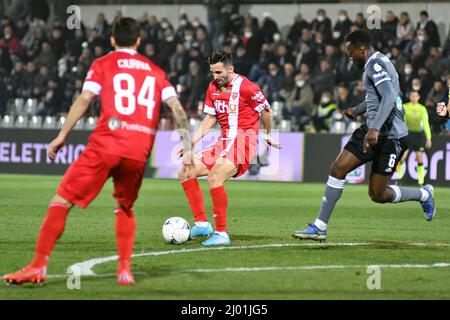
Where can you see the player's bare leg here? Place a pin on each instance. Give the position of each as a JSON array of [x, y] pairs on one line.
[[344, 163], [51, 231], [223, 170], [193, 192]]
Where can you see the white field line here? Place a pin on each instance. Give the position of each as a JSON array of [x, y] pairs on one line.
[[85, 268]]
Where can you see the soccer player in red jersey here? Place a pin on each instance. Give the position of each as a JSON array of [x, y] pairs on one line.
[[237, 104], [131, 88]]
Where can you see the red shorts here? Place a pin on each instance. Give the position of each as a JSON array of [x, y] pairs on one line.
[[85, 178], [240, 151]]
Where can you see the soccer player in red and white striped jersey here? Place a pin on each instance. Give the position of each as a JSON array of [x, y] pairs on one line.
[[237, 104], [131, 89]]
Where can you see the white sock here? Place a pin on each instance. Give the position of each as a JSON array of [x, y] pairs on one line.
[[202, 224], [425, 195], [222, 233], [320, 224]]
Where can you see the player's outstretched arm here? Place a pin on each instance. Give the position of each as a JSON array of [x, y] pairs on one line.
[[77, 110], [266, 117], [181, 122]]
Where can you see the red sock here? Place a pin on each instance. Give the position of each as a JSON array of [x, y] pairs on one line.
[[51, 230], [125, 230], [195, 198], [220, 203]]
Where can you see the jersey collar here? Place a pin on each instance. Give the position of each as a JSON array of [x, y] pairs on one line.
[[126, 50]]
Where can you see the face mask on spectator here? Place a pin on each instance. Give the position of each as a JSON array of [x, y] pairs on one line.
[[188, 38], [320, 18], [195, 23], [234, 40], [342, 18], [421, 38], [416, 87], [169, 38], [273, 73], [300, 83], [408, 71], [325, 100], [276, 37], [248, 34], [183, 22], [7, 36], [164, 25], [336, 34]]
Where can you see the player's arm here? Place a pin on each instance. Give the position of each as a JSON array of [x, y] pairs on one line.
[[426, 127], [360, 109], [266, 118], [208, 122], [181, 122], [77, 110]]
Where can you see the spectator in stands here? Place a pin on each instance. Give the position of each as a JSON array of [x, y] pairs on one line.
[[179, 63], [150, 52], [436, 63], [397, 58], [358, 93], [268, 27], [28, 84], [258, 70], [405, 31], [194, 85], [322, 24], [283, 56], [214, 8], [52, 100], [4, 95], [202, 42], [57, 42], [323, 115], [341, 27], [299, 102], [241, 61], [360, 22], [271, 83], [308, 56], [389, 29], [101, 25], [168, 45], [296, 30], [343, 100], [10, 41], [288, 82], [430, 28], [323, 80], [17, 80], [40, 82], [74, 46]]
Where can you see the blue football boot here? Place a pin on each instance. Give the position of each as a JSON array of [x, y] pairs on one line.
[[217, 240], [198, 232], [429, 209], [312, 232]]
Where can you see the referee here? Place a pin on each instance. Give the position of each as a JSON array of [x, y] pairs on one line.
[[416, 118]]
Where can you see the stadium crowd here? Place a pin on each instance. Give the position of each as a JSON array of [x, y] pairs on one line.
[[306, 74]]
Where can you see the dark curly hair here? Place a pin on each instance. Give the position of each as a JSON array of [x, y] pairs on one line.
[[221, 55]]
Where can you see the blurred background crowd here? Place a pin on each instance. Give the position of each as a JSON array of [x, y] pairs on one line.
[[304, 73]]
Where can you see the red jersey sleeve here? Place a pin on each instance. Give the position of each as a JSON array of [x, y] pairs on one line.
[[209, 107], [255, 98], [94, 79]]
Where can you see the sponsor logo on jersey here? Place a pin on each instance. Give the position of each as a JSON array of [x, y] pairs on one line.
[[258, 97], [377, 67], [113, 123], [380, 74]]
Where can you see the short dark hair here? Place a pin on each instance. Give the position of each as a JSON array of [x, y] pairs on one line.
[[424, 13], [359, 38], [125, 31], [221, 55]]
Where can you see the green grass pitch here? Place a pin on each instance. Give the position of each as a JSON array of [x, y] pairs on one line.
[[260, 214]]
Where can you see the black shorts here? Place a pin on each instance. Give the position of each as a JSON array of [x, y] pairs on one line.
[[417, 141], [384, 156]]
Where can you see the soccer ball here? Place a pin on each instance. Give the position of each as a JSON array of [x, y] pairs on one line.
[[176, 230]]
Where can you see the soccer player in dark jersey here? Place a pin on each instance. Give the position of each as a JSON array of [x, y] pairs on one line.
[[383, 140]]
